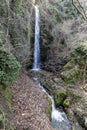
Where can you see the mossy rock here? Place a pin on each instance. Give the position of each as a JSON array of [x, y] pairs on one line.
[[80, 117], [79, 53], [71, 75], [74, 96], [59, 97], [58, 80], [48, 86], [74, 69], [66, 103], [69, 65], [49, 108]]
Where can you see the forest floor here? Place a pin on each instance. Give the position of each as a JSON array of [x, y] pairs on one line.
[[29, 105]]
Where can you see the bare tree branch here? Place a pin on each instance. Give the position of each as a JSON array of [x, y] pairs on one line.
[[83, 13]]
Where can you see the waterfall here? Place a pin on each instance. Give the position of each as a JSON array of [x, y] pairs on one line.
[[59, 119], [36, 62]]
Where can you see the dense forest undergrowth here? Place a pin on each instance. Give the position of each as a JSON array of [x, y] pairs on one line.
[[63, 47]]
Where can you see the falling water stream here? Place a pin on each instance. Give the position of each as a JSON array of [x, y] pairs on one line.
[[36, 63], [59, 119]]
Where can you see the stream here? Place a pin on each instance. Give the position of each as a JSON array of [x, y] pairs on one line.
[[59, 119]]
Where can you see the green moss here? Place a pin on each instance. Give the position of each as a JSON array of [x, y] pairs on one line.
[[72, 12], [5, 93], [58, 80], [59, 97], [49, 108], [8, 97], [74, 69], [71, 75], [3, 8], [42, 13], [14, 35], [54, 10], [74, 96], [66, 103], [17, 36], [79, 53], [9, 68], [69, 65], [16, 5], [5, 107], [1, 42]]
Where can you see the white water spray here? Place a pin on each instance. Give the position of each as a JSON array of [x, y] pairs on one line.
[[36, 62]]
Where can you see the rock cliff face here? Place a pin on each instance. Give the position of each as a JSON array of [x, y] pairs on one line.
[[15, 26], [61, 28]]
